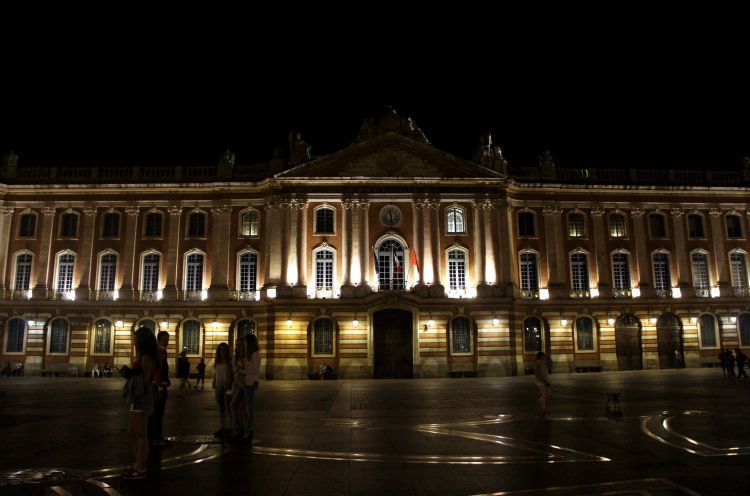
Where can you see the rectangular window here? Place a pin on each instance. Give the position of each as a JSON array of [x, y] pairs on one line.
[[734, 226], [250, 224], [69, 225], [23, 272], [27, 227], [197, 225], [585, 334], [324, 270], [194, 277], [695, 226], [248, 272], [662, 273], [111, 228], [65, 273], [621, 271], [658, 226], [617, 225], [16, 331], [579, 272], [102, 336], [323, 341], [708, 331], [324, 221], [191, 337], [461, 335], [153, 225], [456, 270], [529, 276], [525, 224], [151, 272], [107, 271], [576, 226], [700, 271]]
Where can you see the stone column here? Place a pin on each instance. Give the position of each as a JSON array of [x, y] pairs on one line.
[[300, 289], [173, 249], [219, 289], [505, 256], [433, 212], [479, 243], [272, 245], [346, 244], [419, 241], [129, 260], [86, 257], [642, 256], [600, 260], [43, 260], [6, 219], [364, 252], [683, 273], [722, 269], [556, 278]]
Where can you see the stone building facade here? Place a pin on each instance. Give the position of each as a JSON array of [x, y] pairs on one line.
[[389, 258]]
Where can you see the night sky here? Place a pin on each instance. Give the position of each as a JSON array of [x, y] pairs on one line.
[[675, 105]]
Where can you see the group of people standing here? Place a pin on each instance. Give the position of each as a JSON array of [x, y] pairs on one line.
[[728, 359], [146, 390]]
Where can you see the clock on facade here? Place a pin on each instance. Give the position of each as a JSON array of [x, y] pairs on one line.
[[390, 215]]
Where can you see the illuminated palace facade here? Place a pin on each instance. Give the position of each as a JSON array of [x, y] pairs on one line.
[[389, 258]]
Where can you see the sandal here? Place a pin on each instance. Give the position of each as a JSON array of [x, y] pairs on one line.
[[135, 473]]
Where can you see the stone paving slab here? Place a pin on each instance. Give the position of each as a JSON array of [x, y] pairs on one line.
[[678, 432]]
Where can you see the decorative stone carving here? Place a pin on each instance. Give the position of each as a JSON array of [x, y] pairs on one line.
[[299, 151], [89, 211], [714, 212], [597, 211], [49, 211], [131, 211], [221, 209], [390, 163], [546, 159], [677, 212], [390, 122], [174, 210], [6, 211], [490, 156], [636, 212], [549, 210]]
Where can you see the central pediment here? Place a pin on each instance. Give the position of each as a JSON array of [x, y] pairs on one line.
[[390, 156]]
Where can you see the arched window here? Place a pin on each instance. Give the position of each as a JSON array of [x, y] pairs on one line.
[[324, 261], [107, 271], [621, 274], [532, 335], [58, 336], [734, 226], [111, 225], [150, 272], [390, 266], [69, 225], [103, 336], [701, 281], [617, 225], [454, 219], [65, 265], [324, 220], [529, 274], [22, 278], [250, 223], [197, 225], [743, 329], [695, 226], [194, 274], [526, 223], [708, 334], [662, 274], [323, 337], [579, 273], [657, 225], [148, 324], [738, 270], [191, 337], [456, 270], [247, 273], [27, 225], [576, 225], [154, 221], [245, 327], [584, 334], [15, 335], [460, 335]]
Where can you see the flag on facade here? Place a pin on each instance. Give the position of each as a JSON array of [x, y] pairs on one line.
[[397, 262], [375, 258], [414, 261]]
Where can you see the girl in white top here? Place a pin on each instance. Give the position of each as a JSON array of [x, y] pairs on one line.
[[246, 375], [223, 379]]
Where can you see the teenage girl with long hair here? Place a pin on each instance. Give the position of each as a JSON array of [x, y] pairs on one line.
[[223, 379], [247, 378]]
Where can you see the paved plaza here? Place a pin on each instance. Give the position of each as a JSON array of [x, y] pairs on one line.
[[680, 432]]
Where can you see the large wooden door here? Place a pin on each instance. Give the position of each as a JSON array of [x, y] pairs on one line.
[[669, 341], [392, 333], [628, 343]]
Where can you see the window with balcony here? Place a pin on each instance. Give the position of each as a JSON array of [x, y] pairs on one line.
[[456, 270], [324, 261], [65, 265], [194, 275], [22, 279], [579, 275], [150, 273], [621, 275], [701, 281], [662, 274], [529, 274], [107, 274], [738, 270], [247, 275]]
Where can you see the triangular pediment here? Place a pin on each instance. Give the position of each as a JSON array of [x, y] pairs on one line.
[[390, 156]]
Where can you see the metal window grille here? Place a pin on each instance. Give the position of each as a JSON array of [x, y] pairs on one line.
[[739, 270], [456, 270], [324, 270], [621, 270], [16, 331], [102, 336], [65, 272], [58, 336], [529, 274], [194, 278], [191, 334], [585, 334], [708, 330], [248, 271], [23, 272], [323, 340], [107, 272], [461, 334], [151, 272], [579, 271], [662, 274]]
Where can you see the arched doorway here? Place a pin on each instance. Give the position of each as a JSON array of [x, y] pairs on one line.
[[392, 344], [628, 342], [669, 341]]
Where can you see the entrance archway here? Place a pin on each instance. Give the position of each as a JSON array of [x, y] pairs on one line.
[[392, 344], [628, 342], [669, 340]]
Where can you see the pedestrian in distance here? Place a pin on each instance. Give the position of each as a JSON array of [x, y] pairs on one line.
[[541, 375], [201, 368]]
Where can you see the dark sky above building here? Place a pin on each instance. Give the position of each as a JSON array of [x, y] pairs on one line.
[[663, 103]]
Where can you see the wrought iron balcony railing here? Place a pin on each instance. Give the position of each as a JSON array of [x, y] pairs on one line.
[[663, 293], [580, 293], [528, 294], [702, 292], [244, 295], [148, 295], [622, 293]]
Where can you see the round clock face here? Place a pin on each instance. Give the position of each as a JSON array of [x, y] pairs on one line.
[[390, 215]]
